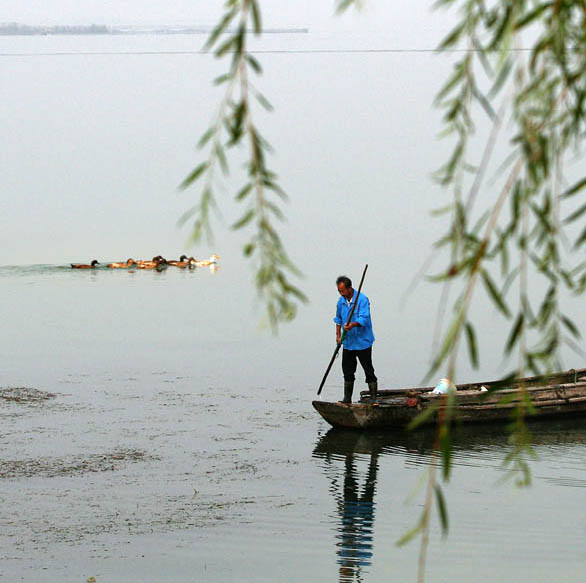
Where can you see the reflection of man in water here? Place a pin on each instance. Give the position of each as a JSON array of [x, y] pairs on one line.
[[356, 510]]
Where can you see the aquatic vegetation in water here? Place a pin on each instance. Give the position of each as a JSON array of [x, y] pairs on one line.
[[25, 395], [50, 467]]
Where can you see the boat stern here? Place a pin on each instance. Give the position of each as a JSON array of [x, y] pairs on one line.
[[353, 415]]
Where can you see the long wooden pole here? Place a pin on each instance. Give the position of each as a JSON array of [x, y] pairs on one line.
[[339, 345]]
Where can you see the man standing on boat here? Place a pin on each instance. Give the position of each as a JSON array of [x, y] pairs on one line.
[[357, 339]]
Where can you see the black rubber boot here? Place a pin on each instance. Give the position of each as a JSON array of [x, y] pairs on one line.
[[373, 388], [348, 389]]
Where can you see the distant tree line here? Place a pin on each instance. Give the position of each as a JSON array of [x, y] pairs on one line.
[[16, 29]]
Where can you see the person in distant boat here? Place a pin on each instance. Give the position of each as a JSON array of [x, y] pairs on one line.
[[357, 337]]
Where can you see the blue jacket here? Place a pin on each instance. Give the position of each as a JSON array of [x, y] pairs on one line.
[[360, 337]]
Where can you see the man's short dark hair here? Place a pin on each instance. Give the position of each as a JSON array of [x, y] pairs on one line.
[[345, 280]]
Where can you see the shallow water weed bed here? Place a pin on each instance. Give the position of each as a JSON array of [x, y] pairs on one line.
[[69, 465], [25, 395]]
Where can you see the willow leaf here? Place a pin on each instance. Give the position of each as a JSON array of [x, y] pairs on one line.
[[442, 509], [452, 37], [244, 220], [515, 332], [442, 210], [472, 345], [221, 155], [205, 138], [244, 192], [451, 82], [253, 62], [538, 49], [222, 79], [571, 326], [297, 293], [576, 214], [273, 186], [532, 15], [424, 416], [512, 275], [219, 29], [581, 239], [256, 17], [450, 339], [484, 102], [498, 39], [248, 249], [446, 442], [574, 189], [226, 46], [495, 294], [274, 209], [266, 104], [574, 346], [503, 75], [409, 535], [195, 174], [343, 5]]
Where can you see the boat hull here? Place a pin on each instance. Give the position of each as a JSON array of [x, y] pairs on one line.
[[365, 415], [555, 395]]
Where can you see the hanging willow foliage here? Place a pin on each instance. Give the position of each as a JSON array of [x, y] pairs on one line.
[[261, 195], [539, 93]]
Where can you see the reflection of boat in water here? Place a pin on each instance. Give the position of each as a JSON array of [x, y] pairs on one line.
[[465, 438], [354, 464], [551, 395]]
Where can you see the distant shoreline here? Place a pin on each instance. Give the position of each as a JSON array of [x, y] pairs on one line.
[[16, 29]]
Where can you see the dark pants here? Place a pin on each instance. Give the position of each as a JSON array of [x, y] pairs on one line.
[[349, 364]]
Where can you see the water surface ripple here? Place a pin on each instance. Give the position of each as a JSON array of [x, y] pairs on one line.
[[145, 437]]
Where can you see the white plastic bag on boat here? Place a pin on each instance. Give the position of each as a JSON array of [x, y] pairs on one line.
[[442, 387]]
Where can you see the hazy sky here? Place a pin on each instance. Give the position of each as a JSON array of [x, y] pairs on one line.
[[134, 11], [81, 130], [99, 131]]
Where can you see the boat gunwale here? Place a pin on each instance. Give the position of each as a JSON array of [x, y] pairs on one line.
[[555, 378]]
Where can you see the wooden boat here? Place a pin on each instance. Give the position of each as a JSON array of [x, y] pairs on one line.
[[562, 393]]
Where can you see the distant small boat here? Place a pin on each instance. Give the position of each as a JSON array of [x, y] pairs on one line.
[[562, 393], [85, 265]]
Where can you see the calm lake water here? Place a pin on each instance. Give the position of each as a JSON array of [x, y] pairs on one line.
[[181, 445], [178, 442]]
